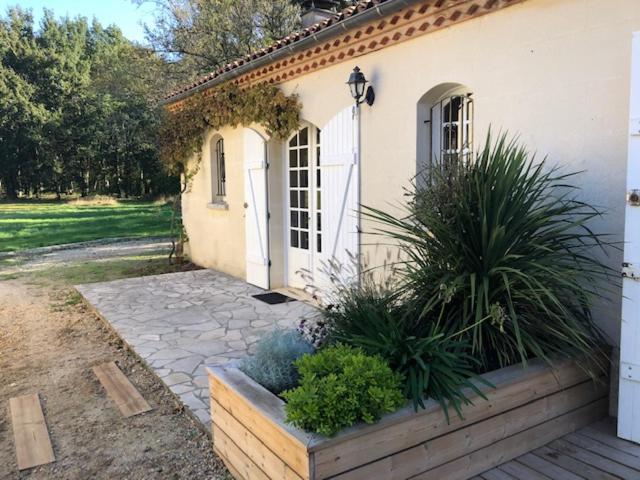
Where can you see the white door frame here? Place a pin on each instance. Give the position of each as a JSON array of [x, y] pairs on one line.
[[629, 393]]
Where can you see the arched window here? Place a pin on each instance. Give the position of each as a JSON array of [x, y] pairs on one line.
[[445, 126], [218, 171]]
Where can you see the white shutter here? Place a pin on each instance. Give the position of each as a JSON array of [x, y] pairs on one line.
[[629, 396], [255, 191], [339, 172]]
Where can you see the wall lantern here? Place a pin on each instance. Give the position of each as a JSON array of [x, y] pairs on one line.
[[356, 83]]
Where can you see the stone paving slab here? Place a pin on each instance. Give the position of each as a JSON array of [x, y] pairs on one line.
[[180, 322]]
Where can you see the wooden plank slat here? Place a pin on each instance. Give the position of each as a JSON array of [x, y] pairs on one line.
[[496, 474], [547, 468], [32, 442], [238, 463], [604, 450], [120, 390], [280, 441], [521, 471], [609, 438], [402, 430], [516, 445], [595, 460], [252, 447], [569, 463], [445, 448]]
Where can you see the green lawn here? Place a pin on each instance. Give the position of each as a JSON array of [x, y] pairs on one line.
[[38, 224]]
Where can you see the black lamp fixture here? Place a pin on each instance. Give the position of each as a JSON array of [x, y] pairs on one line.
[[357, 83]]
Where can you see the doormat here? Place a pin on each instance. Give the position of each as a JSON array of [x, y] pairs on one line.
[[273, 298]]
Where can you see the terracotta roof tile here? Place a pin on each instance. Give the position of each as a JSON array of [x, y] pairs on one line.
[[283, 42]]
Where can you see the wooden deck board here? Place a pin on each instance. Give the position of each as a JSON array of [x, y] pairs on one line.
[[120, 390], [592, 453], [32, 443]]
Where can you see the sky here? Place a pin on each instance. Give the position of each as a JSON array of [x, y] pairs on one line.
[[123, 13]]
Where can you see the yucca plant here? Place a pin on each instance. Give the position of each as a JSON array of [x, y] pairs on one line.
[[501, 249], [371, 315]]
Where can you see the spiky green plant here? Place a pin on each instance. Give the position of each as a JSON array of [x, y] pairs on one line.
[[370, 315], [502, 249]]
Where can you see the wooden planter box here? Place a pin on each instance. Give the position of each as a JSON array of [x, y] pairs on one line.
[[528, 408]]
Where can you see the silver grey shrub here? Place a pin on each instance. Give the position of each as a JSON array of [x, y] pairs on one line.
[[272, 365]]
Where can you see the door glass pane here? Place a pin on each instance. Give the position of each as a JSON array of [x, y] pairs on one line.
[[304, 240], [304, 178], [304, 219], [304, 136], [293, 178], [294, 238], [319, 243], [294, 141], [318, 221], [293, 158], [304, 157], [304, 199], [318, 200], [294, 219], [293, 199]]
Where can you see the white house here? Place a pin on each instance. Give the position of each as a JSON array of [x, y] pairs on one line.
[[555, 72]]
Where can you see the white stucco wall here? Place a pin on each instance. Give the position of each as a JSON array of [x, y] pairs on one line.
[[555, 72]]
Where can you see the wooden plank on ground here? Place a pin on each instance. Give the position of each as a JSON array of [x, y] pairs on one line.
[[605, 432], [546, 468], [120, 390], [521, 472], [33, 446], [496, 474], [569, 463], [603, 450], [595, 460]]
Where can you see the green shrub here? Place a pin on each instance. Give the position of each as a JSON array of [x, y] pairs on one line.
[[370, 315], [340, 386], [272, 366], [502, 249]]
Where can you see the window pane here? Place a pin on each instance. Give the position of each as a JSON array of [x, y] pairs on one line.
[[304, 136], [294, 238], [318, 136], [293, 178], [318, 175], [318, 156], [304, 199], [304, 178], [293, 199], [456, 105], [318, 202], [304, 240], [304, 157], [318, 221], [294, 141], [304, 220], [319, 243], [293, 158], [294, 219]]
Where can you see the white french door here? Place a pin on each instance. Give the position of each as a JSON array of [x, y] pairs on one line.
[[323, 203], [629, 396], [304, 212]]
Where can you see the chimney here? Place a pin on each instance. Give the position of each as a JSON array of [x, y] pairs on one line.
[[313, 14]]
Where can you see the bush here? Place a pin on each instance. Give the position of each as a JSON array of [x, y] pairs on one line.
[[340, 386], [370, 315], [272, 366], [501, 249]]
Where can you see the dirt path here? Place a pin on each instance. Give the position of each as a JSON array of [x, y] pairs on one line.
[[45, 257], [48, 344]]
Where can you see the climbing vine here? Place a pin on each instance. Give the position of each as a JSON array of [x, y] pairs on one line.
[[182, 129]]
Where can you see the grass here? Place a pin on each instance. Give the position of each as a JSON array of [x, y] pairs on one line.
[[99, 271], [26, 225]]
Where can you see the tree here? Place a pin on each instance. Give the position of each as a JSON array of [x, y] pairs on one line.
[[78, 109], [199, 35]]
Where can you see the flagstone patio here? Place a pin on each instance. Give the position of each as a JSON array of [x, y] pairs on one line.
[[180, 322]]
